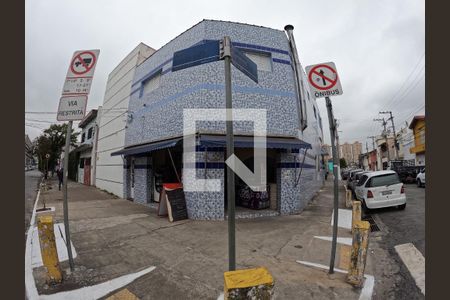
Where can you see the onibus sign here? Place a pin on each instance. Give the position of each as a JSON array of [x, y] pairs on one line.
[[324, 80]]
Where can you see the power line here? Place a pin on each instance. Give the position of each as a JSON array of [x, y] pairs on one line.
[[406, 80]]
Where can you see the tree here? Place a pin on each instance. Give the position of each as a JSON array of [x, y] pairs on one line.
[[342, 163], [52, 141]]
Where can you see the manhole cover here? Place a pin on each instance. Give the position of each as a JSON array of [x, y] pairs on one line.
[[373, 225]]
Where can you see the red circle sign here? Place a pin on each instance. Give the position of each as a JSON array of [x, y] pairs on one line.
[[328, 82], [85, 64]]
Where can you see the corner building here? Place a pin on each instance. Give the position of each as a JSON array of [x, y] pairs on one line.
[[153, 152]]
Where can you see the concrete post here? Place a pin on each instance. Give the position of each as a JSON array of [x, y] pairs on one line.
[[49, 251], [356, 213], [248, 284], [358, 255]]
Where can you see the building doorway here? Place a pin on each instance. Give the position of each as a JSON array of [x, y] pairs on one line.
[[87, 171]]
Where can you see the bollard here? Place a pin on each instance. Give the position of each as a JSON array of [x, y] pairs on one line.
[[358, 255], [356, 213], [348, 198], [248, 284], [49, 251]]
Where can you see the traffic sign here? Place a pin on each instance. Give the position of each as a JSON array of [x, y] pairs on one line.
[[72, 107], [196, 55], [80, 72], [324, 80], [244, 64]]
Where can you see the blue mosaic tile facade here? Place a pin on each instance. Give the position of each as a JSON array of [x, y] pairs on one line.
[[158, 114]]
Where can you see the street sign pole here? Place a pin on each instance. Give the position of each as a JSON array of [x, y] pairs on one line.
[[230, 151], [65, 204], [332, 122]]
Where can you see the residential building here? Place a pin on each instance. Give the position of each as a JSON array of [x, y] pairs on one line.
[[405, 139], [112, 120], [373, 163], [385, 151], [350, 152], [418, 127], [87, 148], [153, 152]]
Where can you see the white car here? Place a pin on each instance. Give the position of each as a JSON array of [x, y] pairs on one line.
[[381, 189], [420, 178]]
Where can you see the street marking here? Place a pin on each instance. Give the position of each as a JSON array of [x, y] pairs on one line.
[[414, 262], [344, 218], [90, 292], [369, 283], [341, 240], [99, 290], [36, 257]]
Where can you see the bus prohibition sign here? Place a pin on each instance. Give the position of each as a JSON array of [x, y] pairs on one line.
[[324, 80], [83, 63]]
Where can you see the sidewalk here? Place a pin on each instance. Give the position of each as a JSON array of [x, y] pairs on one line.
[[115, 237]]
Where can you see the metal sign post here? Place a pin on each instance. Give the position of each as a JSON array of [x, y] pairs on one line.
[[324, 82], [230, 151], [332, 122], [65, 204], [210, 52], [72, 107]]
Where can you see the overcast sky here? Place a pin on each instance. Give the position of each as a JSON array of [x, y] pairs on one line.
[[378, 48]]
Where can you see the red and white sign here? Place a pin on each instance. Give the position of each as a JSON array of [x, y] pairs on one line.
[[324, 80], [80, 73], [72, 105]]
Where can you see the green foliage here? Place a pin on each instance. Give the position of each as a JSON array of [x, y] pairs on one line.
[[52, 141], [342, 163]]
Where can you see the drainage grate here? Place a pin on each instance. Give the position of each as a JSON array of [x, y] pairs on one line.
[[373, 225]]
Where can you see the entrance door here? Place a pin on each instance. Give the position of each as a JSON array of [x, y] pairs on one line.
[[132, 178], [87, 171]]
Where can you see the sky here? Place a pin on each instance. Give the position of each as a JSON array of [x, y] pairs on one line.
[[378, 48]]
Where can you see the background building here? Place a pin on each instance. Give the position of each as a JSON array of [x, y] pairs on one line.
[[87, 149], [112, 120], [418, 127], [29, 159], [350, 152]]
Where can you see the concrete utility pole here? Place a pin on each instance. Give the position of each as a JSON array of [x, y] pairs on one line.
[[385, 135], [393, 129]]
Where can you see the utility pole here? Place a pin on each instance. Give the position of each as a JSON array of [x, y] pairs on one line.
[[65, 204], [373, 141], [385, 135], [391, 118]]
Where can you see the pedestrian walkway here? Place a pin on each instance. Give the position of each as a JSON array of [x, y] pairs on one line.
[[114, 237]]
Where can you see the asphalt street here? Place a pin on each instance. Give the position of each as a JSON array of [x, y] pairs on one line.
[[32, 179], [399, 227]]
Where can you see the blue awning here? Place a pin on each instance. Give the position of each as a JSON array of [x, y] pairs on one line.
[[247, 142], [141, 149]]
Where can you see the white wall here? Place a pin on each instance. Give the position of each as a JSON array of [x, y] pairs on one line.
[[112, 121]]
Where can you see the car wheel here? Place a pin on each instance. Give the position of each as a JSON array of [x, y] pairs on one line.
[[402, 207], [419, 184]]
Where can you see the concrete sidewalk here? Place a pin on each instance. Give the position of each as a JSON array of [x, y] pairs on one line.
[[115, 237]]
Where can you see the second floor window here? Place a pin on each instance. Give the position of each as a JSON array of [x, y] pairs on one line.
[[83, 137], [151, 84], [90, 132], [262, 60]]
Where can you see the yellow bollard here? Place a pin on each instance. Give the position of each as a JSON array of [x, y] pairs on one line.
[[248, 284], [348, 198], [356, 213], [49, 251], [358, 255]]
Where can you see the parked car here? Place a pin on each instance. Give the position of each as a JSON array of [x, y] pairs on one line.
[[381, 189], [420, 179], [351, 176], [355, 177]]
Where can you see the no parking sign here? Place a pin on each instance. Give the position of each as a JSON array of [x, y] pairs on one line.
[[324, 80]]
